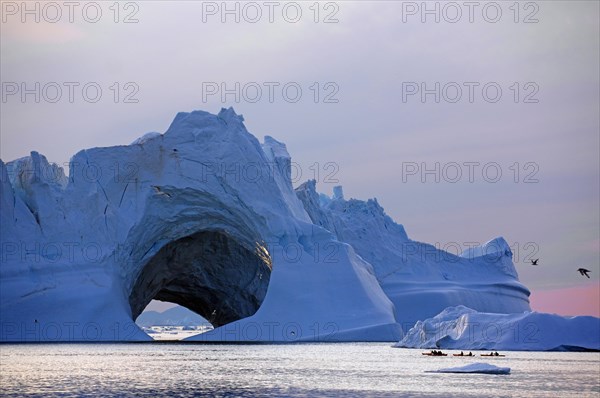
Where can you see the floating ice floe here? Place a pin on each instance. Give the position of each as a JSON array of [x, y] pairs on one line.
[[479, 367]]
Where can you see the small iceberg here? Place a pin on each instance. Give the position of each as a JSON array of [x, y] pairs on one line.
[[463, 328], [479, 367]]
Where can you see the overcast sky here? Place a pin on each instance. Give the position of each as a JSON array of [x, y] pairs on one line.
[[361, 75]]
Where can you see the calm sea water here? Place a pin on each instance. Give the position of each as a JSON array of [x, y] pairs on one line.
[[299, 370]]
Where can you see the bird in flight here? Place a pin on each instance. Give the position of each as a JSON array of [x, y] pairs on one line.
[[160, 191], [584, 272], [534, 262]]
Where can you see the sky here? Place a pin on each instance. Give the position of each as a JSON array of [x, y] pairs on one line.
[[465, 122]]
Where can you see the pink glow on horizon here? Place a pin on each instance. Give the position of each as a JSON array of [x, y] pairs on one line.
[[584, 300]]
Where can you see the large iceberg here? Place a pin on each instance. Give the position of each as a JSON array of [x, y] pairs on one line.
[[206, 216], [420, 279], [462, 328]]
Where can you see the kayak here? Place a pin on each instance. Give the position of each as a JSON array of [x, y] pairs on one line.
[[434, 355], [489, 355], [463, 355]]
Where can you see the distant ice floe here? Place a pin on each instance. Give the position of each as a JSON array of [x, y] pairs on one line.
[[479, 367]]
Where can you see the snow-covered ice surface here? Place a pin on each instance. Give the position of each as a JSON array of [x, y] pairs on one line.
[[462, 328], [82, 255], [478, 367]]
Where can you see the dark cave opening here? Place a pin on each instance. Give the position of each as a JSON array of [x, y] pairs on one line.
[[208, 272]]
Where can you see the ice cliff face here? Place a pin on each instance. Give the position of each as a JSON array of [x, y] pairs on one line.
[[206, 216], [419, 279]]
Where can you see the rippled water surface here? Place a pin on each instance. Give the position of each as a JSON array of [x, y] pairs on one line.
[[353, 369]]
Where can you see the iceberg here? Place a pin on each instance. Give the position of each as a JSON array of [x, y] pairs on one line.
[[462, 328], [176, 316], [420, 279], [479, 367], [206, 216]]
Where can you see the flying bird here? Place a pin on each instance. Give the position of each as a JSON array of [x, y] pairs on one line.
[[584, 272], [534, 262], [160, 191]]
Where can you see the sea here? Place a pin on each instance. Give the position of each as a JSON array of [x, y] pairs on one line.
[[182, 369]]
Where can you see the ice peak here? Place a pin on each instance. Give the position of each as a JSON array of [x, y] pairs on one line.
[[497, 246], [498, 249], [309, 185], [338, 192], [185, 121], [35, 168], [146, 137], [276, 148], [229, 115]]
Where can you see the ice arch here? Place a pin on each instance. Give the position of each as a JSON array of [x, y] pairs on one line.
[[208, 272], [174, 216]]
